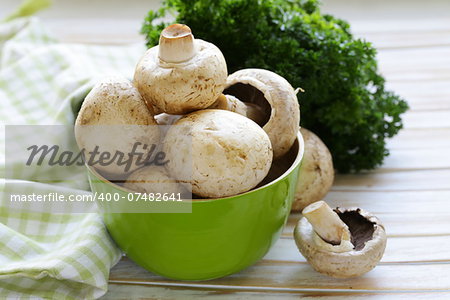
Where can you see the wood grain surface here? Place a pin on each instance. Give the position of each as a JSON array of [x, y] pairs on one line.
[[410, 192]]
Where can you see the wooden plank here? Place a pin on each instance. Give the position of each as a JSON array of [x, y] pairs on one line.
[[416, 159], [423, 138], [272, 276], [401, 33], [97, 30], [439, 119], [82, 23], [415, 64], [394, 181], [422, 89], [425, 102], [404, 213], [418, 75], [395, 202], [64, 19], [427, 119], [76, 23], [396, 25], [125, 292], [407, 39], [401, 225], [415, 149], [128, 32], [427, 95], [415, 250]]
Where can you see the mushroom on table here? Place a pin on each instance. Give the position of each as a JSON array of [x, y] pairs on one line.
[[317, 172], [342, 243]]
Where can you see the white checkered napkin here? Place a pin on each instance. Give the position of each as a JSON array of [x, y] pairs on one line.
[[47, 255]]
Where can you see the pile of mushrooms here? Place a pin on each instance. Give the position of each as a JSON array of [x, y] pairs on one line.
[[228, 133], [227, 129]]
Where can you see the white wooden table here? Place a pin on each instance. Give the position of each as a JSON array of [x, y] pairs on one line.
[[410, 192]]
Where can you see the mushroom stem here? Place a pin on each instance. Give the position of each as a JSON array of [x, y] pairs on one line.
[[167, 119], [176, 44], [326, 223], [231, 103]]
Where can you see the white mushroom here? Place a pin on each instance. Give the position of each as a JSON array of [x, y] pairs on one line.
[[317, 172], [276, 98], [342, 243], [220, 153], [115, 118], [182, 74], [152, 179]]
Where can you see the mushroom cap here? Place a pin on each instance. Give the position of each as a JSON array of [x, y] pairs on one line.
[[368, 237], [218, 152], [283, 112], [179, 88], [152, 179], [114, 117], [317, 172]]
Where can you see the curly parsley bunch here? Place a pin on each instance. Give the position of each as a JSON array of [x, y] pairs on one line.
[[344, 102]]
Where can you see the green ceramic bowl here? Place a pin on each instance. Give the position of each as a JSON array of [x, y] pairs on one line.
[[218, 238]]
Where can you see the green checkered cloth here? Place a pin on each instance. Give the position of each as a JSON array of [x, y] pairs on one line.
[[45, 255]]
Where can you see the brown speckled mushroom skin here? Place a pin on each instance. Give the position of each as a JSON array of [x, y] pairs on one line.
[[114, 101], [346, 264], [317, 172], [283, 124], [179, 88], [230, 153], [111, 105]]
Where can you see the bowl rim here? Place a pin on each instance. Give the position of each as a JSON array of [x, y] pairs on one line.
[[297, 161]]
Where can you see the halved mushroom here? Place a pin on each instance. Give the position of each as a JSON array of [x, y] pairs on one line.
[[114, 119], [220, 153], [182, 74], [317, 172], [276, 99], [342, 243]]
